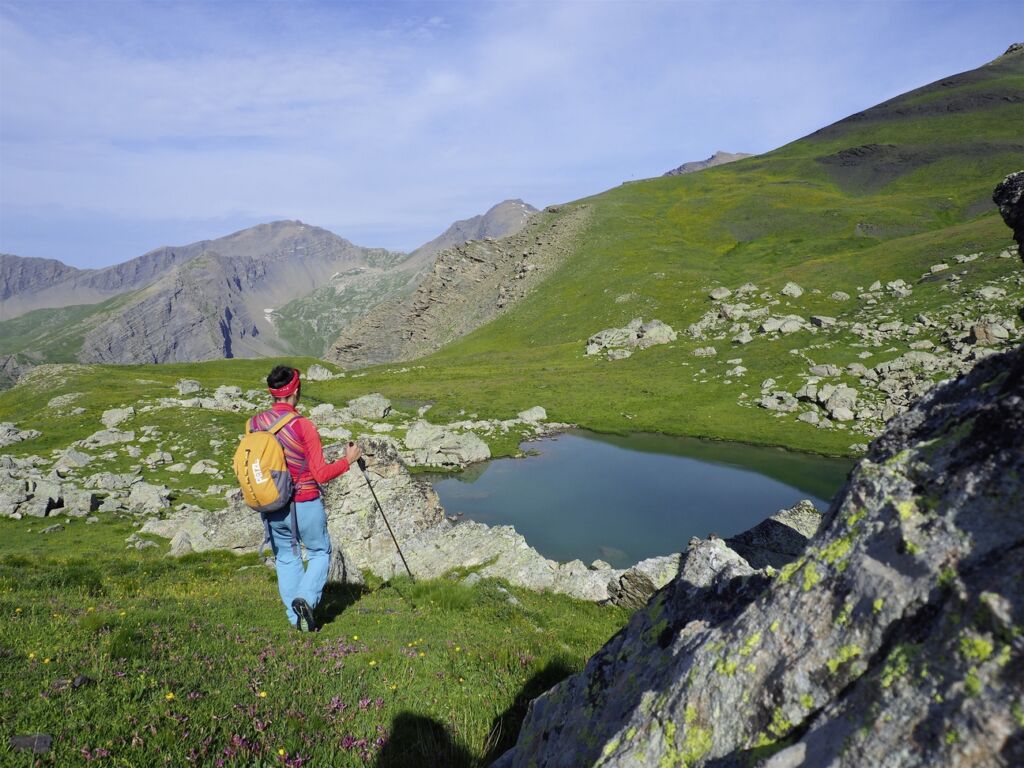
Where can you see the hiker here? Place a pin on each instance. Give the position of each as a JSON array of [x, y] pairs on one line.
[[300, 588]]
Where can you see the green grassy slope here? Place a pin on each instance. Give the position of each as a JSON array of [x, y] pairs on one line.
[[190, 661], [879, 196]]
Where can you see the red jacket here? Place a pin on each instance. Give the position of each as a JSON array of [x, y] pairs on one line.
[[310, 474]]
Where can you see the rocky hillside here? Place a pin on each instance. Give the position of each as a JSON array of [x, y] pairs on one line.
[[469, 285], [313, 322], [883, 223], [894, 640], [505, 218], [719, 158], [278, 288]]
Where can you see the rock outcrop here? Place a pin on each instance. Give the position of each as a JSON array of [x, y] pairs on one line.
[[1009, 196]]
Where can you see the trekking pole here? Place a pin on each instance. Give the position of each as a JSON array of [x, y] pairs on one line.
[[362, 468]]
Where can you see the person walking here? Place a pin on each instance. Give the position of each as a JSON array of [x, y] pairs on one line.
[[300, 587]]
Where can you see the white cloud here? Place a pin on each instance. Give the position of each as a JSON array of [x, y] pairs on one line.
[[368, 123]]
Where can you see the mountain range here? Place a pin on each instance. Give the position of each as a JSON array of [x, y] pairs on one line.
[[279, 288]]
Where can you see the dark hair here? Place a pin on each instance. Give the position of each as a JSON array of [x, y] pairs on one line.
[[280, 376]]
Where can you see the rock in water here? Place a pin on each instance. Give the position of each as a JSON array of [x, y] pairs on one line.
[[892, 641]]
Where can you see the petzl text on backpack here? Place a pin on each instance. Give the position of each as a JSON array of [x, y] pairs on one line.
[[261, 470]]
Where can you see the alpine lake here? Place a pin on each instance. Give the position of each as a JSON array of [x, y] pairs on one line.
[[622, 499]]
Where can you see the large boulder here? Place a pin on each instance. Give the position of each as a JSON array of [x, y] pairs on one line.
[[114, 416], [147, 498], [10, 434], [1009, 196], [373, 406], [890, 642], [431, 445]]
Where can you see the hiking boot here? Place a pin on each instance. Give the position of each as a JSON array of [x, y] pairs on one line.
[[305, 621]]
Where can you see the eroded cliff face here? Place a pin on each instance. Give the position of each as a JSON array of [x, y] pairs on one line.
[[470, 285], [895, 640]]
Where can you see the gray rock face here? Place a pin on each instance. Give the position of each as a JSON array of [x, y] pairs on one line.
[[188, 387], [148, 498], [1009, 196], [890, 642], [374, 406], [317, 372], [114, 416], [10, 434], [619, 343], [434, 446], [780, 539]]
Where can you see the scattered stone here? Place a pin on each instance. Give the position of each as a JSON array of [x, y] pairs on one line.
[[635, 335], [114, 416], [720, 293], [53, 529], [705, 352], [991, 293], [938, 268], [988, 334], [742, 338], [10, 434], [823, 321], [39, 743], [533, 415], [204, 467], [372, 406], [839, 296], [188, 387], [148, 498], [792, 290], [825, 370], [317, 372]]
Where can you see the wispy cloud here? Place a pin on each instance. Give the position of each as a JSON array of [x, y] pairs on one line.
[[386, 122]]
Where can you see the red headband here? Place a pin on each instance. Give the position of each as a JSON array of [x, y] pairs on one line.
[[289, 388]]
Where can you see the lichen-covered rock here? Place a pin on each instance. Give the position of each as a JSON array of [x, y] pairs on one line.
[[1009, 196], [892, 641], [780, 539]]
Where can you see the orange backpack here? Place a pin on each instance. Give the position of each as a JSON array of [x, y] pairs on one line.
[[261, 469]]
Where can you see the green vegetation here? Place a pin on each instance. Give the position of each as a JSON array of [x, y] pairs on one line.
[[191, 660], [804, 212]]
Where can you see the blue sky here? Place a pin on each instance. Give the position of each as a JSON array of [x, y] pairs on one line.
[[125, 125]]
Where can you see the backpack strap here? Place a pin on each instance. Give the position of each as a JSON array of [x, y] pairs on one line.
[[278, 425]]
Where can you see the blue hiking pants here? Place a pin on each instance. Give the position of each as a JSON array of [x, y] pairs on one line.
[[292, 579]]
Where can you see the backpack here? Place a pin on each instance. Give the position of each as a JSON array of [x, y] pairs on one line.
[[261, 469]]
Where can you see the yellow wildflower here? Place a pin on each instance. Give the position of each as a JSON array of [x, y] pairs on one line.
[[169, 696], [373, 663], [280, 752], [263, 694], [422, 653], [458, 648], [31, 656], [46, 660], [355, 637]]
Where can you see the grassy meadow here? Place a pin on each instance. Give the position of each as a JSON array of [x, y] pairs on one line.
[[191, 662]]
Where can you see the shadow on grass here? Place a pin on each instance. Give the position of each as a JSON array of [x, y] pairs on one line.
[[505, 728], [335, 599], [416, 741]]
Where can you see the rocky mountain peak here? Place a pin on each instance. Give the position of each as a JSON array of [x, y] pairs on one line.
[[719, 158]]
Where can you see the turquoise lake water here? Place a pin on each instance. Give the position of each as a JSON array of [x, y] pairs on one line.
[[623, 499]]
